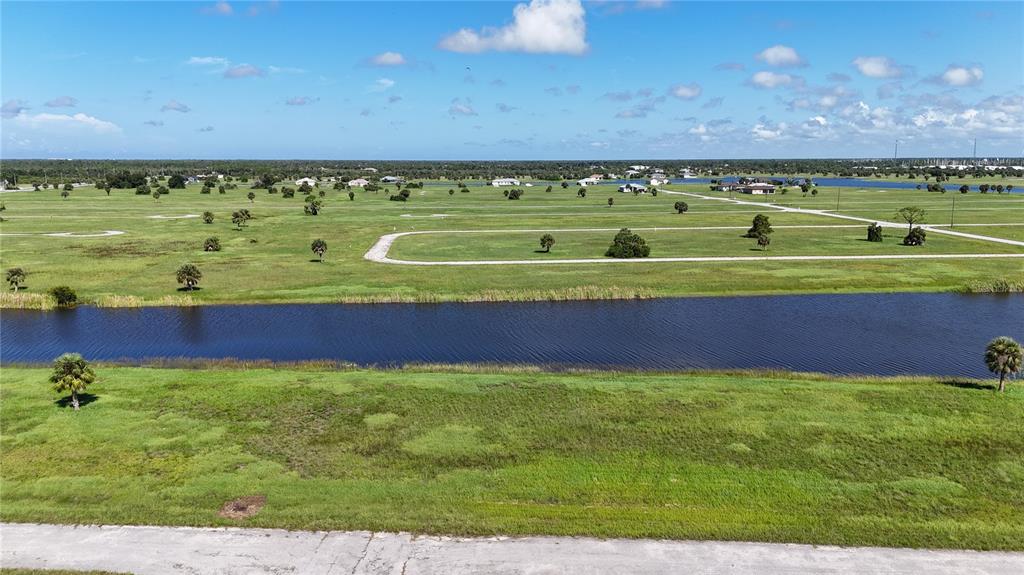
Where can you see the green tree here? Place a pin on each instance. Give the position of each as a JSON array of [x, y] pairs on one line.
[[64, 296], [240, 218], [546, 241], [626, 244], [910, 214], [760, 226], [176, 182], [71, 373], [156, 194], [68, 187], [451, 191], [352, 195], [964, 189], [681, 207], [916, 237], [189, 276], [15, 277], [874, 233], [251, 196], [64, 194], [211, 244], [207, 217], [611, 202], [1003, 358], [313, 205], [763, 240], [319, 247]]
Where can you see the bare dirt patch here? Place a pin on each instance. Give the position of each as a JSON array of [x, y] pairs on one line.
[[243, 507]]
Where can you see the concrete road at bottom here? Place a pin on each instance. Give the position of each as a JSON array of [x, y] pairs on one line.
[[177, 550]]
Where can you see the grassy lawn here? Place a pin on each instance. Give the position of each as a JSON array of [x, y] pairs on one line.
[[269, 260], [909, 462]]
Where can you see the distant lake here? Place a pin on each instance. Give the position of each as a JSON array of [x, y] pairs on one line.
[[883, 334]]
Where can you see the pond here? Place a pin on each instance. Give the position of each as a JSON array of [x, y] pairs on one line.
[[885, 334]]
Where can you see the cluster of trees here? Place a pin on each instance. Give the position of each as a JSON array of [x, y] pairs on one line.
[[240, 218], [915, 234], [761, 230], [874, 233]]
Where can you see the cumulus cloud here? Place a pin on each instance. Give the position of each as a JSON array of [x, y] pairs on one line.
[[12, 108], [686, 91], [244, 71], [62, 122], [540, 27], [878, 67], [766, 79], [779, 55], [623, 96], [958, 76], [394, 99], [301, 101], [640, 110], [387, 59], [62, 102], [504, 108], [461, 107], [175, 106], [838, 78], [553, 91], [764, 130]]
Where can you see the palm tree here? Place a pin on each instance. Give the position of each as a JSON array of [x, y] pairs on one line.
[[71, 373], [546, 241], [15, 277], [189, 275], [319, 247], [1003, 357]]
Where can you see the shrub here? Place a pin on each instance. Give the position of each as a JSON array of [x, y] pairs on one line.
[[207, 217], [628, 245], [916, 237], [64, 296], [514, 194], [759, 226], [874, 233], [211, 244], [681, 207]]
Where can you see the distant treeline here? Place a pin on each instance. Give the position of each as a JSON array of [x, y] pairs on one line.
[[123, 173]]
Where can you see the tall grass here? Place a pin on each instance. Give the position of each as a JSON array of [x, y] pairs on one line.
[[25, 300], [999, 285], [136, 301], [572, 293]]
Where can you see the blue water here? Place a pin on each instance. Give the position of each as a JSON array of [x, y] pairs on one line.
[[953, 186], [886, 334]]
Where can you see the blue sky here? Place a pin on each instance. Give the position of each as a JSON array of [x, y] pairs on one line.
[[547, 79]]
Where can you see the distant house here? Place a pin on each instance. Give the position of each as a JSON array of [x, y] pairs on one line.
[[588, 182], [308, 181], [630, 188], [757, 188], [498, 182], [631, 173], [358, 183], [640, 168], [391, 180], [371, 170], [659, 179]]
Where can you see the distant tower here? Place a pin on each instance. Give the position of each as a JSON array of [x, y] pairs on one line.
[[896, 150], [975, 153]]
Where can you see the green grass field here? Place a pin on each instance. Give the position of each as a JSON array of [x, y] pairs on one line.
[[770, 457], [270, 260]]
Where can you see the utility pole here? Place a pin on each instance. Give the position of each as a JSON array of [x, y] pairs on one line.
[[951, 211], [896, 150], [839, 193]]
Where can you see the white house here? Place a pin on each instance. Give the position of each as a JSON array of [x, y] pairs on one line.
[[391, 180], [640, 168], [358, 183], [658, 181], [630, 188], [371, 170], [588, 182], [757, 188], [308, 181], [498, 182]]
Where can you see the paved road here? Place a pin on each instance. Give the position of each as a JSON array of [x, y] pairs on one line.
[[177, 550]]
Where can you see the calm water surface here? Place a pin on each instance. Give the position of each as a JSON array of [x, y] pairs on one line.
[[865, 333]]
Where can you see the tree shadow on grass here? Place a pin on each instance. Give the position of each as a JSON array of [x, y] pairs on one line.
[[541, 252], [187, 290], [964, 384], [83, 400]]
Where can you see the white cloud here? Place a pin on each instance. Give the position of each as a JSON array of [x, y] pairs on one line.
[[765, 79], [698, 129], [763, 131], [244, 71], [388, 59], [382, 84], [686, 91], [780, 55], [207, 61], [175, 106], [12, 108], [878, 67], [301, 101], [220, 8], [962, 76], [540, 27], [461, 107], [64, 122]]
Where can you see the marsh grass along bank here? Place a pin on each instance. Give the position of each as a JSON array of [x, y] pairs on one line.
[[914, 462]]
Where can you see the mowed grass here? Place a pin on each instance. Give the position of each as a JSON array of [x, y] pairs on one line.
[[775, 457], [270, 260]]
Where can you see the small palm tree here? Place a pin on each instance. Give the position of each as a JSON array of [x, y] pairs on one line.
[[207, 217], [15, 277], [546, 241], [251, 196], [71, 373], [319, 247], [1003, 357], [189, 275], [763, 240]]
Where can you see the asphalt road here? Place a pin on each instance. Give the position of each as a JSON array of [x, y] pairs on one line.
[[177, 550]]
